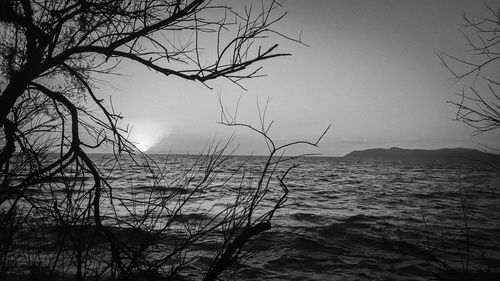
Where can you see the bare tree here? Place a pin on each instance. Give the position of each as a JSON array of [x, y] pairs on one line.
[[479, 105], [52, 54]]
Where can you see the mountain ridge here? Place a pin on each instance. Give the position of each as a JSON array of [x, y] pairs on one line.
[[394, 153]]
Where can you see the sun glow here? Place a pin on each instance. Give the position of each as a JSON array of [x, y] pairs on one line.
[[143, 146], [146, 134]]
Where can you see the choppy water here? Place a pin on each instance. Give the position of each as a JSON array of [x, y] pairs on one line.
[[344, 219], [369, 220]]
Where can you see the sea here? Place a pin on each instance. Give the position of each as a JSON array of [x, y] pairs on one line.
[[348, 219], [343, 219]]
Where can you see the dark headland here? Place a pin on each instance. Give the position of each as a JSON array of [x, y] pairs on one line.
[[396, 153]]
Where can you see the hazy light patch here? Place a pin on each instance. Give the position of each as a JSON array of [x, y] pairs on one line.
[[145, 134]]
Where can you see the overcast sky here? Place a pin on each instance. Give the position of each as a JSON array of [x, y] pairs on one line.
[[371, 70]]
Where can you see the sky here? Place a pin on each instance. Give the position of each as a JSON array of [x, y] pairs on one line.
[[370, 68]]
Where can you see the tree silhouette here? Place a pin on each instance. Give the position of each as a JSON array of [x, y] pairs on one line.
[[53, 52], [479, 108]]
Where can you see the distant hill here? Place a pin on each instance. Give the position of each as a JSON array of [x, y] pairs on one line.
[[396, 153]]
